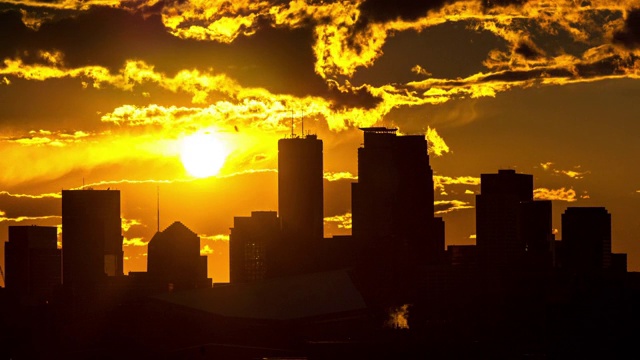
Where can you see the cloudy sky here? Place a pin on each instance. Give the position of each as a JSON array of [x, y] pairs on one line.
[[113, 94]]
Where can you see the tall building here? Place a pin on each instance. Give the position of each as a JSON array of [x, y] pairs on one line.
[[174, 259], [586, 239], [300, 188], [32, 262], [392, 202], [91, 237], [497, 217], [249, 242], [536, 232], [300, 206]]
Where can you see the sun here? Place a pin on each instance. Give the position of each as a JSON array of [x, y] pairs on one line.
[[202, 154]]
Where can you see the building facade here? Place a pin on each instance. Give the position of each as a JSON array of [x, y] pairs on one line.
[[32, 263], [250, 240], [91, 236], [586, 239], [497, 217], [174, 259], [393, 201]]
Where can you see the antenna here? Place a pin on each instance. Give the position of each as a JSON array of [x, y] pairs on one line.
[[302, 123], [83, 183], [158, 205], [292, 124]]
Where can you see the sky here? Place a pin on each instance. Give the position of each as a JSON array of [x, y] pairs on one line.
[[114, 94]]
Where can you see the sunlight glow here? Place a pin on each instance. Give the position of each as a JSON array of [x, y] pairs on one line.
[[203, 154]]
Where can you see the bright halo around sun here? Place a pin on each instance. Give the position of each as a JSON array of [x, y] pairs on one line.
[[202, 154]]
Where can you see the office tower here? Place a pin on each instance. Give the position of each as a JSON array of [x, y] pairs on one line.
[[174, 259], [497, 220], [300, 206], [300, 188], [32, 263], [392, 202], [536, 232], [250, 239], [91, 237], [586, 239]]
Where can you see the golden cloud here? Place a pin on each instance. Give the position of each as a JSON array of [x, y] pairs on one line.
[[18, 219], [437, 146], [562, 194], [447, 206], [343, 221], [570, 173], [440, 181], [39, 196], [343, 175], [218, 237], [137, 241], [128, 223]]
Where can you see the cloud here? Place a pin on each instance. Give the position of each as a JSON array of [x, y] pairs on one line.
[[447, 206], [437, 146], [629, 35], [30, 196], [570, 173], [218, 237], [439, 181], [206, 250], [210, 244], [49, 138], [343, 221], [18, 219], [128, 223], [342, 175], [136, 241], [562, 194]]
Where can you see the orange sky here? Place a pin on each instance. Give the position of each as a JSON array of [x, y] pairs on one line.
[[107, 91]]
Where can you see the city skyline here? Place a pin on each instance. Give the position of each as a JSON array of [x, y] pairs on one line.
[[111, 97]]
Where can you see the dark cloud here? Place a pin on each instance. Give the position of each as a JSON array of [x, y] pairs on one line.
[[11, 23], [360, 98], [385, 10], [23, 206], [278, 59], [528, 51], [488, 4], [629, 36]]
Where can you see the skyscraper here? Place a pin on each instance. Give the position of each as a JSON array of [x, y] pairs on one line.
[[249, 242], [586, 239], [536, 232], [300, 188], [174, 259], [91, 236], [497, 220], [300, 206], [32, 262], [392, 202]]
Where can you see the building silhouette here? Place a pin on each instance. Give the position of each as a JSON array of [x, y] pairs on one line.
[[32, 263], [536, 233], [174, 260], [497, 217], [91, 237], [249, 242], [300, 206], [586, 239], [300, 188], [392, 202]]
